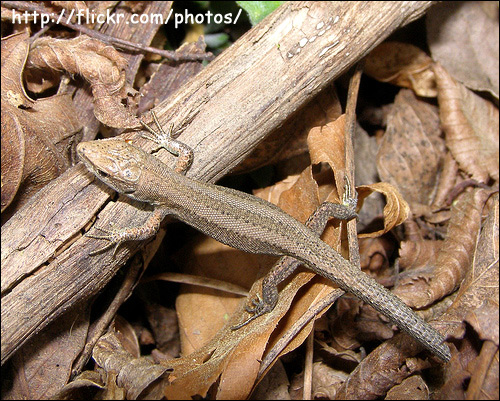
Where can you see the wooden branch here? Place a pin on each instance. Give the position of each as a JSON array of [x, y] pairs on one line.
[[225, 111]]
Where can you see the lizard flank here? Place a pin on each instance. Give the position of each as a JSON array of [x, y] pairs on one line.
[[239, 220]]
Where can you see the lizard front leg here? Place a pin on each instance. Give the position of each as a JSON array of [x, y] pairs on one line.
[[117, 237], [150, 228], [166, 141]]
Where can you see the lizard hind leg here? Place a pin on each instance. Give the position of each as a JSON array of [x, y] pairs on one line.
[[113, 237], [286, 265]]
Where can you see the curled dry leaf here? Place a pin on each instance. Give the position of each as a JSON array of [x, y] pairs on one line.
[[326, 144], [404, 65], [418, 254], [88, 379], [478, 295], [471, 126], [37, 136], [410, 155], [396, 209], [100, 64], [454, 258]]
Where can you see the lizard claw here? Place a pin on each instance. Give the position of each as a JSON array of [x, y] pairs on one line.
[[165, 140], [114, 238], [259, 308], [256, 302], [350, 196]]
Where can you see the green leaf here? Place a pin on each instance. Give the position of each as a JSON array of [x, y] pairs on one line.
[[257, 10]]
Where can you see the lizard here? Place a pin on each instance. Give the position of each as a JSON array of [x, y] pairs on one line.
[[237, 219]]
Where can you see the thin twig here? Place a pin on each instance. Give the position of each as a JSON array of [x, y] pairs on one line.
[[350, 127], [121, 43], [131, 279]]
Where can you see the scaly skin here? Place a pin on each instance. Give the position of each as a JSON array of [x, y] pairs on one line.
[[241, 221]]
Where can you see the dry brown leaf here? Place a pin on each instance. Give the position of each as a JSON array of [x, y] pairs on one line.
[[375, 253], [366, 173], [447, 181], [40, 368], [478, 369], [13, 152], [471, 126], [274, 386], [426, 285], [290, 140], [380, 370], [100, 64], [326, 143], [292, 199], [199, 280], [85, 380], [204, 311], [165, 328], [485, 321], [411, 153], [484, 369], [138, 376], [355, 323], [396, 209], [480, 285], [345, 352], [417, 254], [404, 65], [126, 335], [484, 373], [326, 381], [464, 39], [37, 136], [454, 377], [412, 388]]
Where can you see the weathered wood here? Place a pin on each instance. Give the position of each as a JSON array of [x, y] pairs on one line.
[[226, 110]]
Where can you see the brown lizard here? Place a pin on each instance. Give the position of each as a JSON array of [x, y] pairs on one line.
[[239, 220]]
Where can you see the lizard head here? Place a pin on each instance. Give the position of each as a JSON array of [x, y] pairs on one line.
[[115, 162]]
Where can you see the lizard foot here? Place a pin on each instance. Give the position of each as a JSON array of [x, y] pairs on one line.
[[259, 308], [114, 237]]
